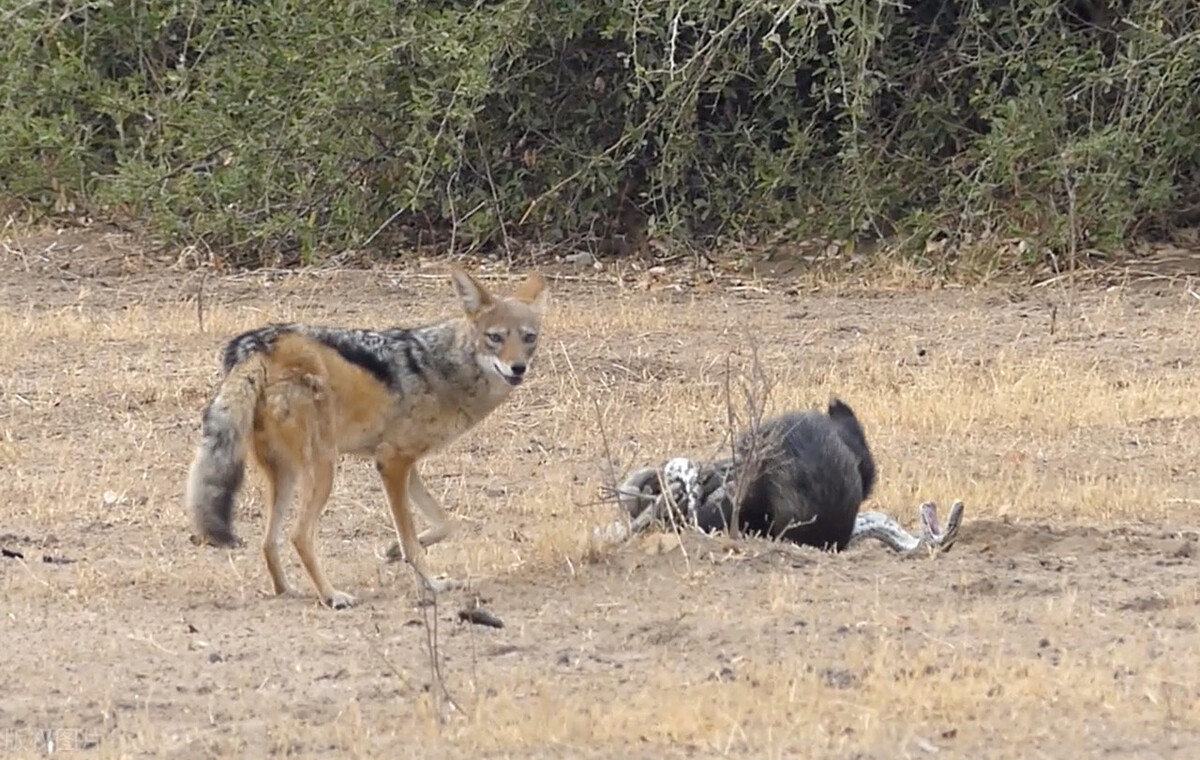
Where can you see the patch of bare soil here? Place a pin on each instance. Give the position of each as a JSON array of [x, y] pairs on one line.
[[1064, 623]]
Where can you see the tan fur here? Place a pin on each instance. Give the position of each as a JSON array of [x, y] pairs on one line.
[[310, 406]]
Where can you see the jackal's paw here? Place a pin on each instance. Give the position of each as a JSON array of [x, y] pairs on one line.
[[394, 553], [441, 584], [287, 592], [339, 600]]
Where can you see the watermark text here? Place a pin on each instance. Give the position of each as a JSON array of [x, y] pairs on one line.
[[48, 739]]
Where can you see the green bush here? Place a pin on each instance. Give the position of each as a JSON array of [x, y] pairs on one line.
[[305, 128]]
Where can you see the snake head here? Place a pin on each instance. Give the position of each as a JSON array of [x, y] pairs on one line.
[[932, 535]]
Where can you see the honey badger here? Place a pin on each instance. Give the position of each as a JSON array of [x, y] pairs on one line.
[[800, 477]]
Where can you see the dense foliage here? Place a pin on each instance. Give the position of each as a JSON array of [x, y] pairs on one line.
[[309, 128]]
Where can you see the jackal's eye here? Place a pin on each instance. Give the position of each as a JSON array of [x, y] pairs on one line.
[[495, 338], [530, 338]]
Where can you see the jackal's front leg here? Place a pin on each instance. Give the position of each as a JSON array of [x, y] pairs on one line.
[[441, 525], [396, 472]]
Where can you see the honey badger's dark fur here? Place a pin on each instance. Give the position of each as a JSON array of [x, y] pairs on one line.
[[808, 474]]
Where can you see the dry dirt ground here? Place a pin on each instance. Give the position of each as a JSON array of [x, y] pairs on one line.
[[1063, 624]]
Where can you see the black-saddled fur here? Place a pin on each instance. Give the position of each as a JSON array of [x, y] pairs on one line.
[[369, 349], [809, 473]]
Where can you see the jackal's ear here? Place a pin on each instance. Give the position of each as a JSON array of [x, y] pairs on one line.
[[532, 291], [475, 298]]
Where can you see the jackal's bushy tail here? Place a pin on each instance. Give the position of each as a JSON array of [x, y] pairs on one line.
[[220, 463]]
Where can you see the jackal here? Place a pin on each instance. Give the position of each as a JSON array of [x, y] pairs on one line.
[[296, 397]]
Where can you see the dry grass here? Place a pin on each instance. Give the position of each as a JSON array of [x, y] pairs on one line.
[[1064, 624]]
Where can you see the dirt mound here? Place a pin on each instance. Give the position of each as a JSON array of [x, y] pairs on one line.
[[1006, 538]]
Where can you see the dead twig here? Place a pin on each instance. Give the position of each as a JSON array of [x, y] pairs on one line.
[[487, 171], [612, 485], [390, 665], [431, 644], [200, 301], [673, 512], [735, 530], [752, 455], [421, 176]]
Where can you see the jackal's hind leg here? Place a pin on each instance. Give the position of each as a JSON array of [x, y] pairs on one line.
[[281, 487], [304, 536]]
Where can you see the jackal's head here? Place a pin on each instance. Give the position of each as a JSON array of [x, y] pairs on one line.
[[505, 328]]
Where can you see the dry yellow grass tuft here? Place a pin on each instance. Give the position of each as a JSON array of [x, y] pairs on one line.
[[1064, 624]]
